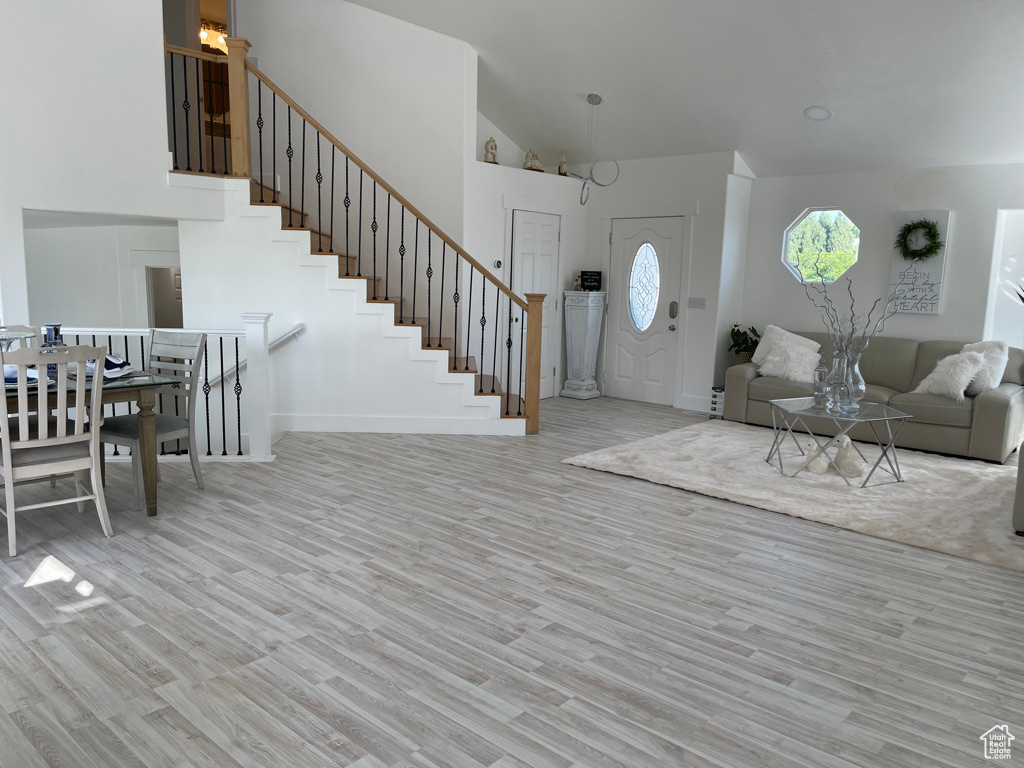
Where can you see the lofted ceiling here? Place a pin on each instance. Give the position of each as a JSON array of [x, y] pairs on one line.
[[909, 82]]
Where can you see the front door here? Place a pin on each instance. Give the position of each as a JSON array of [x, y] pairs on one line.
[[643, 309], [535, 270]]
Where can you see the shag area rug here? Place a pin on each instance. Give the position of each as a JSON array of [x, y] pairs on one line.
[[957, 506]]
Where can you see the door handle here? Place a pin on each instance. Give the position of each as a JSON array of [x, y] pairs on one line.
[[673, 310], [671, 327]]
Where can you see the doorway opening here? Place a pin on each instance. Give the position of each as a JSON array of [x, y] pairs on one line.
[[163, 287]]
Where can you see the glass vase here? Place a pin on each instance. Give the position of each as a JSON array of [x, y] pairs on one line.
[[839, 387], [857, 385]]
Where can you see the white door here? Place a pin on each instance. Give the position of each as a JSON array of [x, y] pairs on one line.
[[643, 294], [535, 270]]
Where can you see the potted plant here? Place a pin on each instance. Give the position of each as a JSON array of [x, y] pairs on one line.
[[744, 342]]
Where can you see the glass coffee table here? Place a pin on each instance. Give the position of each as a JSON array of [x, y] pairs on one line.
[[791, 417]]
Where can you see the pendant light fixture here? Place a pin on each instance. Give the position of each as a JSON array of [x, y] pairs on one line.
[[594, 100]]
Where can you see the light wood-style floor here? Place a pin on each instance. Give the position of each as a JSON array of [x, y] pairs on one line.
[[378, 601]]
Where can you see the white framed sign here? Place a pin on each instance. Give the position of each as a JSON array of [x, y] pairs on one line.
[[921, 289]]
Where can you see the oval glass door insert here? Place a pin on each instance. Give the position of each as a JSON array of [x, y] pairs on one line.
[[644, 286]]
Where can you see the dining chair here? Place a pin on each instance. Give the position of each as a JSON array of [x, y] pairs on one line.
[[34, 448], [177, 355]]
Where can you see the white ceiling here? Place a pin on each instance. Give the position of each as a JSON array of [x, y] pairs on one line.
[[909, 82]]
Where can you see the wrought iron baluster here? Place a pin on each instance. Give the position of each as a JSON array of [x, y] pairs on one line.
[[186, 106], [415, 267], [348, 205], [401, 273], [497, 315], [483, 327], [238, 396], [259, 128], [273, 146], [319, 214], [440, 303], [387, 254], [508, 358], [199, 115], [373, 231], [359, 245], [209, 82], [223, 404], [206, 396], [222, 69], [455, 314], [101, 367], [522, 338], [430, 275], [174, 112], [330, 239], [469, 314], [127, 362], [289, 153], [302, 177]]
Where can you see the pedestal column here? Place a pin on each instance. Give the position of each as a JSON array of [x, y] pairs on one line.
[[584, 311]]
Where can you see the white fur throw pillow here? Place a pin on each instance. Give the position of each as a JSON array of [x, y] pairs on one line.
[[795, 363], [996, 354], [952, 375], [776, 338]]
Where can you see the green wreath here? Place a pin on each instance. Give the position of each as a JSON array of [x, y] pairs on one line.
[[931, 233]]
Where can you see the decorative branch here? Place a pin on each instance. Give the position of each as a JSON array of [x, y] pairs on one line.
[[851, 333]]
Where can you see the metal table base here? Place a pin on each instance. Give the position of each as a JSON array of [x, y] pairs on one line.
[[789, 421]]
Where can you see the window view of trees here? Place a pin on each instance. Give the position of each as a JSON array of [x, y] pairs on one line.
[[823, 246]]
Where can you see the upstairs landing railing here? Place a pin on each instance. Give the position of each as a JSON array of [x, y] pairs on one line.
[[354, 214]]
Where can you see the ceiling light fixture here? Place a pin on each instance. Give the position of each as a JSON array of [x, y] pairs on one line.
[[212, 34], [817, 113], [594, 101]]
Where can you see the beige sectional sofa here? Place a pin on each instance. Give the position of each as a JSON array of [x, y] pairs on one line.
[[989, 426]]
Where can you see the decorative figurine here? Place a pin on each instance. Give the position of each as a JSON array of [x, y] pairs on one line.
[[532, 161], [577, 284], [816, 463], [563, 167], [491, 151], [847, 459]]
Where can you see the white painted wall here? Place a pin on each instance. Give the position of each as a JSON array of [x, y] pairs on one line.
[[85, 129], [974, 194], [509, 153], [393, 93], [353, 369], [734, 263], [1006, 313], [695, 186], [95, 276]]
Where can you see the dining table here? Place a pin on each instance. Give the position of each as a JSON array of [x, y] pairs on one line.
[[139, 388]]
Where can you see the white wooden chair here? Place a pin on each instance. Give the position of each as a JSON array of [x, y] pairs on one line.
[[37, 330], [177, 355], [33, 448]]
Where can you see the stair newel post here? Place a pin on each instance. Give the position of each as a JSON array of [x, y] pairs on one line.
[[535, 313], [238, 93]]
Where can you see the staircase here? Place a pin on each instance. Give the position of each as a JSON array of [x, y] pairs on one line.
[[373, 241]]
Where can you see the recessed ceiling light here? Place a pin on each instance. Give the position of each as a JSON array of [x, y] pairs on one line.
[[817, 113]]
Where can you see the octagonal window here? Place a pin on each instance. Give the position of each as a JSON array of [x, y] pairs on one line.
[[821, 245]]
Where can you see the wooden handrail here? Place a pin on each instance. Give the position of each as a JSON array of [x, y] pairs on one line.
[[388, 188], [195, 54]]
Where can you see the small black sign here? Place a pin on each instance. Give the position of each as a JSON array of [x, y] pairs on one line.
[[590, 281]]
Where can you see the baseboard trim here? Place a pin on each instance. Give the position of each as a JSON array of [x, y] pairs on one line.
[[694, 403], [414, 425]]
